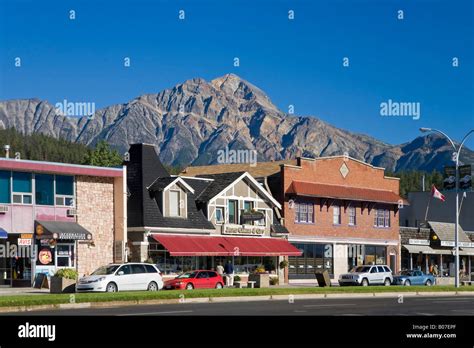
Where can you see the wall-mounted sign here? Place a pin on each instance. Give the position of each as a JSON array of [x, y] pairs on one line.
[[252, 215], [24, 242], [418, 242], [26, 235], [243, 229], [461, 244]]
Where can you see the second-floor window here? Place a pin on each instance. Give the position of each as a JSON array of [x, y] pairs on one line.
[[219, 215], [352, 216], [175, 210], [336, 215], [232, 207], [304, 213], [22, 188], [382, 218]]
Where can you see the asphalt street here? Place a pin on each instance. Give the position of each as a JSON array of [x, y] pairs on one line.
[[417, 306]]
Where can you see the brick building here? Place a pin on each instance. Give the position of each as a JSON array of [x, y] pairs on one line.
[[339, 211], [56, 215]]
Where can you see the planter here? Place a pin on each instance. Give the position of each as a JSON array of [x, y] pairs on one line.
[[262, 280], [62, 285]]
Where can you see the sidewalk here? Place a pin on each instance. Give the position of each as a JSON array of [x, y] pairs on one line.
[[22, 291]]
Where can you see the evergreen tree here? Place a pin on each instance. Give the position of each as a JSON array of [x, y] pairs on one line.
[[104, 156]]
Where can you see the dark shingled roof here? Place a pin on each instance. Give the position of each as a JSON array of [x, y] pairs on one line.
[[277, 228], [221, 181], [160, 183]]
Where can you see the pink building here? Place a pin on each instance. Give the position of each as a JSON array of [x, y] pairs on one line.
[[55, 215]]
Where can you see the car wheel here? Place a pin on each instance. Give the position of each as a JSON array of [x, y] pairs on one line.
[[111, 287], [407, 283], [365, 282], [428, 283], [219, 286], [152, 286], [189, 286], [387, 282]]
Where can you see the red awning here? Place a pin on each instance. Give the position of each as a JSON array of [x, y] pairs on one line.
[[344, 192], [225, 246]]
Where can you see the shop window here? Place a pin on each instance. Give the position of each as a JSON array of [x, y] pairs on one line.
[[44, 189], [64, 190], [233, 212], [314, 257], [65, 255], [352, 216], [336, 215], [22, 193], [220, 215], [5, 187]]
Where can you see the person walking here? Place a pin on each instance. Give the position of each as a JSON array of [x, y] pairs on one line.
[[229, 273], [220, 269]]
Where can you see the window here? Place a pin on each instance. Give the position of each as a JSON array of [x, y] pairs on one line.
[[336, 217], [44, 189], [22, 188], [202, 275], [232, 212], [248, 206], [380, 269], [174, 203], [5, 187], [219, 215], [137, 269], [212, 274], [125, 269], [352, 216], [64, 190], [314, 257], [373, 270], [387, 269], [65, 255], [150, 269], [382, 218], [304, 213]]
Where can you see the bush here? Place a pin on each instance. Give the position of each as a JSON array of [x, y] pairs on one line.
[[260, 269], [67, 273], [237, 278], [274, 281]]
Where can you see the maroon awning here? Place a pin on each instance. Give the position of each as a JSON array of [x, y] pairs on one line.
[[225, 246]]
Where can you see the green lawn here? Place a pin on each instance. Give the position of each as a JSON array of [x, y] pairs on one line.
[[31, 300]]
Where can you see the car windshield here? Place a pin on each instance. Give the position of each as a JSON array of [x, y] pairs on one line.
[[187, 275], [105, 270], [406, 273], [360, 269]]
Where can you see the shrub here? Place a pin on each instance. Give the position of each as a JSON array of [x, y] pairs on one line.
[[237, 278], [67, 273], [260, 269], [274, 281]]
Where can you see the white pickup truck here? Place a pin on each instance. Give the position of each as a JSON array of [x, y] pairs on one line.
[[367, 275]]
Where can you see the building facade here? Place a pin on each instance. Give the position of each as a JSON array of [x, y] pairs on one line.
[[55, 215], [182, 223]]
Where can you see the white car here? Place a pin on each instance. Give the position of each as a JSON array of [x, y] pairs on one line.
[[122, 277], [367, 275]]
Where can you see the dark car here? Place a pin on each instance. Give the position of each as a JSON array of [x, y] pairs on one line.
[[200, 279], [413, 277]]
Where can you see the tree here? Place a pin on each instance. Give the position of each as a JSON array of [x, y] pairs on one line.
[[103, 156]]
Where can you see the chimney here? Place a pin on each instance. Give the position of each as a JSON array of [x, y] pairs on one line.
[[7, 151]]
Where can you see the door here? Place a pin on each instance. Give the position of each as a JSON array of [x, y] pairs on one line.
[[202, 280], [124, 281], [375, 276], [212, 279], [139, 277], [393, 263], [417, 278]]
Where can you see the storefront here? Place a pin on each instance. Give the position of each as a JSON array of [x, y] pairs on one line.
[[314, 256], [15, 262]]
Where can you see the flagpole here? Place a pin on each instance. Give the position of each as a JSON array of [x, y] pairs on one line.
[[428, 206]]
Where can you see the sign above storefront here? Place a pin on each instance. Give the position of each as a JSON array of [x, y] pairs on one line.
[[461, 244], [24, 241], [252, 215], [418, 242], [243, 229]]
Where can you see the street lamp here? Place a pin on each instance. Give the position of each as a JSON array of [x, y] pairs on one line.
[[457, 151]]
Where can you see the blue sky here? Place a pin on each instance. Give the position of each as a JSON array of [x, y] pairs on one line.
[[296, 62]]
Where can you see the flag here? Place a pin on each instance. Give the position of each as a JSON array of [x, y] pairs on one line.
[[436, 194]]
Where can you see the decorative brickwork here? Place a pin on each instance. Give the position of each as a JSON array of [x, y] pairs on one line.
[[95, 212]]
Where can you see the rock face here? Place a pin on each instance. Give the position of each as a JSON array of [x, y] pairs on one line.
[[191, 122]]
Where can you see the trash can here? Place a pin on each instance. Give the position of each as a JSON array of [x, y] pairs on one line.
[[322, 276]]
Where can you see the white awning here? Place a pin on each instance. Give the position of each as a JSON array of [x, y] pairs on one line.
[[425, 249]]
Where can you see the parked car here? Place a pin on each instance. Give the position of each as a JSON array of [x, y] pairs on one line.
[[200, 279], [122, 277], [413, 277], [367, 275]]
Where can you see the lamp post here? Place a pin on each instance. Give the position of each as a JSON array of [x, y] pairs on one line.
[[457, 151]]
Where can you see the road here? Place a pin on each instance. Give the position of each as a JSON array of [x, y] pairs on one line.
[[418, 306]]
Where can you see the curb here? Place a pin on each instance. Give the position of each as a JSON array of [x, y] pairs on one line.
[[111, 304]]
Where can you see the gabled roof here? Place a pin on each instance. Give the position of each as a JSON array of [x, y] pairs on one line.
[[312, 189], [257, 170], [162, 184], [445, 231]]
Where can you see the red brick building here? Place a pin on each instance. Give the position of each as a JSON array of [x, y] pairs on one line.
[[340, 212]]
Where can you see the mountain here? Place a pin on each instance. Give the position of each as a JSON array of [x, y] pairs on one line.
[[192, 121]]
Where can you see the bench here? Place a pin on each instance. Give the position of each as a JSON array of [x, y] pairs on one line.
[[251, 284], [467, 282], [239, 285]]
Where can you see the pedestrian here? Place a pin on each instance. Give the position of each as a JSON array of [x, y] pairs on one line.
[[220, 269], [435, 270], [229, 273]]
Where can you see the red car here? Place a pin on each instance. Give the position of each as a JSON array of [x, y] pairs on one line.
[[196, 280]]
